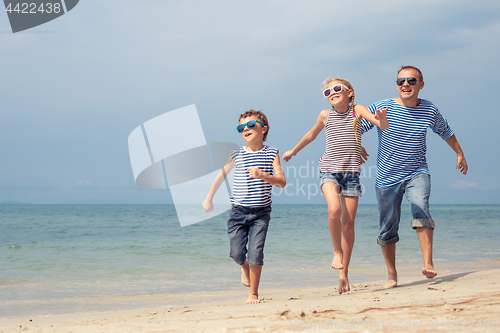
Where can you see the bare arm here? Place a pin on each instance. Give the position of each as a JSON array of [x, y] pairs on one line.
[[277, 180], [219, 179], [309, 137], [461, 162], [379, 119]]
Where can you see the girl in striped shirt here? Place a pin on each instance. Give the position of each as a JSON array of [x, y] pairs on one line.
[[340, 166]]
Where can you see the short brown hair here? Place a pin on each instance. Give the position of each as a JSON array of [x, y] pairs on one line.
[[260, 115], [421, 78]]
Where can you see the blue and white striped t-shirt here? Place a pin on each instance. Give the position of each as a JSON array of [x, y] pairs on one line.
[[402, 147], [250, 192]]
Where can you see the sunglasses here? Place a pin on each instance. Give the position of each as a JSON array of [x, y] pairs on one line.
[[335, 89], [249, 124], [411, 81]]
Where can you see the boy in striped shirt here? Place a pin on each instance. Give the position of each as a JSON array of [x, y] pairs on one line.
[[402, 167], [251, 197]]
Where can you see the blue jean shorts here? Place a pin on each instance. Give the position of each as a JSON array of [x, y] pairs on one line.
[[247, 230], [348, 182], [417, 191]]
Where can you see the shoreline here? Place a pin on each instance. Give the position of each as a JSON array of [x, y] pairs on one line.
[[453, 295], [321, 278]]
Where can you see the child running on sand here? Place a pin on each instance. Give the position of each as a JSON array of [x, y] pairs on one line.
[[340, 166], [251, 198]]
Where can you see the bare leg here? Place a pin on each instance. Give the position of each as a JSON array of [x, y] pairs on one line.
[[245, 274], [331, 192], [425, 236], [349, 209], [253, 295], [389, 253]]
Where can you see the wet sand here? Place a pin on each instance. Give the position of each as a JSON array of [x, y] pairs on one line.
[[462, 297]]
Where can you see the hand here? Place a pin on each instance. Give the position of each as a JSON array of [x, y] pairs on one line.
[[364, 155], [462, 164], [381, 114], [208, 206], [288, 155], [255, 173]]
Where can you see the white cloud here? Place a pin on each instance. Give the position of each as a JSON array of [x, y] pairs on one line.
[[87, 185], [463, 185]]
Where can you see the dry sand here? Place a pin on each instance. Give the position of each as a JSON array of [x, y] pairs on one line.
[[466, 298]]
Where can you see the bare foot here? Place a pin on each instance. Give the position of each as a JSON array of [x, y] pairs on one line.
[[392, 282], [337, 260], [429, 272], [245, 275], [343, 284], [252, 299]]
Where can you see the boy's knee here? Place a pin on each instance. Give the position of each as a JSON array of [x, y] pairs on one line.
[[256, 259], [238, 256], [237, 252]]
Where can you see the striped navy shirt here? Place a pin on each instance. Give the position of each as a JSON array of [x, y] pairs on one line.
[[342, 153], [402, 147], [250, 192]]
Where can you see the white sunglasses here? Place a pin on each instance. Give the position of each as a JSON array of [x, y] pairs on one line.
[[335, 89]]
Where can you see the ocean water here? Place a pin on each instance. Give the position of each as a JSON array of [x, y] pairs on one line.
[[69, 258]]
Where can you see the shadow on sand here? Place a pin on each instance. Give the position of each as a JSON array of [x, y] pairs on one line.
[[434, 281]]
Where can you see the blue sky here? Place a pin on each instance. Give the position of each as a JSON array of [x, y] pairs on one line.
[[72, 90]]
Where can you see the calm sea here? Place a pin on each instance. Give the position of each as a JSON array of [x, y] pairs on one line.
[[68, 258]]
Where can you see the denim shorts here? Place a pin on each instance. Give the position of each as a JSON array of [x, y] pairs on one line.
[[417, 191], [348, 182], [247, 230]]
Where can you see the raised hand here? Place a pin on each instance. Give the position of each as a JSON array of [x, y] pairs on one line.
[[381, 113]]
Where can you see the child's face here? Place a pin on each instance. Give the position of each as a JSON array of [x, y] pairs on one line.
[[339, 99], [254, 135]]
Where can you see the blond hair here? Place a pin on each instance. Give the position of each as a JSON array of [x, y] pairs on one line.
[[348, 85]]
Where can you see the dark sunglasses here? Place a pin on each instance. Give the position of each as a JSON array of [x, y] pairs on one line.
[[411, 81], [249, 124]]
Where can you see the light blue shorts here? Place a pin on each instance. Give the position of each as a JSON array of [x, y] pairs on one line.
[[417, 191], [348, 182]]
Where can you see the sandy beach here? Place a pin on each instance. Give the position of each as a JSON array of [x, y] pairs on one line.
[[462, 296]]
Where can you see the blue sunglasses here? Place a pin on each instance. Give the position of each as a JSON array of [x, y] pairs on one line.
[[249, 124]]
